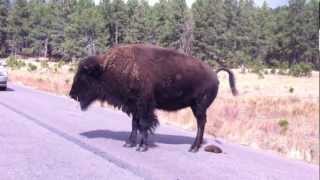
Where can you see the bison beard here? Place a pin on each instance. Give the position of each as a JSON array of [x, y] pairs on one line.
[[141, 78]]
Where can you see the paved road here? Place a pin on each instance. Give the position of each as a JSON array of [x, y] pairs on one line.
[[43, 136]]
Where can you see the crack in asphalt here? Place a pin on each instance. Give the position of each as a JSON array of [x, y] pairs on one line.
[[104, 155]]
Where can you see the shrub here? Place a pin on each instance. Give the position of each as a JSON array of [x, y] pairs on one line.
[[55, 68], [260, 75], [284, 124], [284, 65], [282, 72], [31, 67], [21, 64], [60, 64], [13, 63], [273, 71], [44, 64], [257, 68], [301, 69], [71, 69], [212, 63], [40, 79], [291, 89]]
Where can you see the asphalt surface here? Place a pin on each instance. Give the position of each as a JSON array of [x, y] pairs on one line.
[[44, 136]]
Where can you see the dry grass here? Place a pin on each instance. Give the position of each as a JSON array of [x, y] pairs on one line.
[[266, 114], [52, 79], [256, 122]]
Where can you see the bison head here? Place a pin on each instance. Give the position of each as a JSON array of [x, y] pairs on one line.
[[86, 83]]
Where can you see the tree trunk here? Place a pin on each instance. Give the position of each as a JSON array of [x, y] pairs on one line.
[[117, 31], [46, 47], [187, 37], [91, 48]]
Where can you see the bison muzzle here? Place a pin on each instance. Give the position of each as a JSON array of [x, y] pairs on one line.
[[141, 78]]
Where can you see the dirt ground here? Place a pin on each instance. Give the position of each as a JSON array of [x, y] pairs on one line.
[[277, 113]]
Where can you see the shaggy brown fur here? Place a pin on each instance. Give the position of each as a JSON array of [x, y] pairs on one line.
[[141, 78]]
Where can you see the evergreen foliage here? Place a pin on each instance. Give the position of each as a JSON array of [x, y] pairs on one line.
[[225, 32]]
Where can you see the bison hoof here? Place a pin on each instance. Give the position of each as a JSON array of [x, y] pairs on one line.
[[194, 149], [129, 144], [142, 148]]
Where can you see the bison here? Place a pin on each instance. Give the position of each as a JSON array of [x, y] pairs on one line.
[[140, 78]]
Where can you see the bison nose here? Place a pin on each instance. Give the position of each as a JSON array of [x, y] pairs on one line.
[[73, 96]]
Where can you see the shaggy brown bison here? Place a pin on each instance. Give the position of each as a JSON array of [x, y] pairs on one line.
[[141, 78]]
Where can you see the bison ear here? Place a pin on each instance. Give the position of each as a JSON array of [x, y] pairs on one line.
[[93, 70]]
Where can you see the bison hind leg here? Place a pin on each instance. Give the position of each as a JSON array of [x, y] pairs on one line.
[[199, 109], [201, 117]]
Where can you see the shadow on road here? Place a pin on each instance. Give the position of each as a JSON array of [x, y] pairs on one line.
[[7, 89], [123, 136]]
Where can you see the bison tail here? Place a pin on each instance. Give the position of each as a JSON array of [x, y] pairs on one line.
[[154, 125], [232, 80], [150, 123]]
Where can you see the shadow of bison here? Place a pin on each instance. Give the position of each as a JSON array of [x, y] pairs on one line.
[[141, 78], [122, 136]]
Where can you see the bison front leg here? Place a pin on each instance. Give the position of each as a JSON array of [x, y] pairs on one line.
[[147, 123], [132, 140], [143, 145], [144, 127]]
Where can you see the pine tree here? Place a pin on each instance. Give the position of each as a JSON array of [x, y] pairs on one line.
[[105, 11], [209, 27], [265, 23], [41, 23], [230, 39], [60, 10], [247, 35], [187, 35], [311, 34], [276, 53], [160, 20], [19, 27], [296, 44], [176, 24], [4, 11], [230, 32], [83, 32], [118, 21], [137, 30]]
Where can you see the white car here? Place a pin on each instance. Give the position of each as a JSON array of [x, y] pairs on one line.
[[3, 75]]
